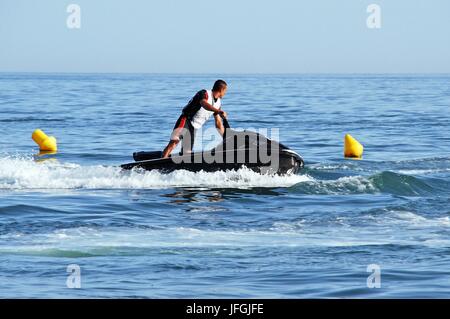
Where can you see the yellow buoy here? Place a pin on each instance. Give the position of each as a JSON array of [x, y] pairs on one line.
[[352, 148], [46, 143]]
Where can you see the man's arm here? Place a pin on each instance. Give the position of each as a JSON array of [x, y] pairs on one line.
[[204, 103], [219, 124]]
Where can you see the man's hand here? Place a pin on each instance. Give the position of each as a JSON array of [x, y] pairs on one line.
[[224, 114]]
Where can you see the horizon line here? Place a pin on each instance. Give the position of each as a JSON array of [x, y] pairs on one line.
[[223, 73]]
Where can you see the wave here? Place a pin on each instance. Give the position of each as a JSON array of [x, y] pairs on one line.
[[24, 173], [436, 159], [420, 166], [32, 119], [85, 241], [119, 241], [384, 182], [423, 171], [412, 219]]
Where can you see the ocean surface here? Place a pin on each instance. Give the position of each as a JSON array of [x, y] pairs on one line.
[[233, 234]]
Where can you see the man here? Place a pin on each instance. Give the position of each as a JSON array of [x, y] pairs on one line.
[[199, 109]]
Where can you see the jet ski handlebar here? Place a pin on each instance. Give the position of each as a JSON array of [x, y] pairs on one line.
[[226, 125]]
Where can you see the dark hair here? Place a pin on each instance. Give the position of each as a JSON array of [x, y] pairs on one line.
[[219, 85]]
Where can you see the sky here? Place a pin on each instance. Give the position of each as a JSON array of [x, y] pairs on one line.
[[233, 36]]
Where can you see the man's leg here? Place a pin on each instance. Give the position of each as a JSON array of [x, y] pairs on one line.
[[188, 139], [175, 137]]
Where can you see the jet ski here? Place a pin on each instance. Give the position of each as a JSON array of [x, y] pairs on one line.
[[238, 149]]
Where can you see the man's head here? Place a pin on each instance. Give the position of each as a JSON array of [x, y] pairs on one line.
[[220, 87]]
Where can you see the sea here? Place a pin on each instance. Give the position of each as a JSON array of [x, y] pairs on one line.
[[75, 225]]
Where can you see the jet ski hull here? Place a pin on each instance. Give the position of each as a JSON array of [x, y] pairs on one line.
[[287, 162], [238, 149]]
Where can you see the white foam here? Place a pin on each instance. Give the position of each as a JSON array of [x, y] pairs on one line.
[[408, 218], [332, 167], [423, 171], [20, 173], [344, 185], [89, 239], [105, 240]]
